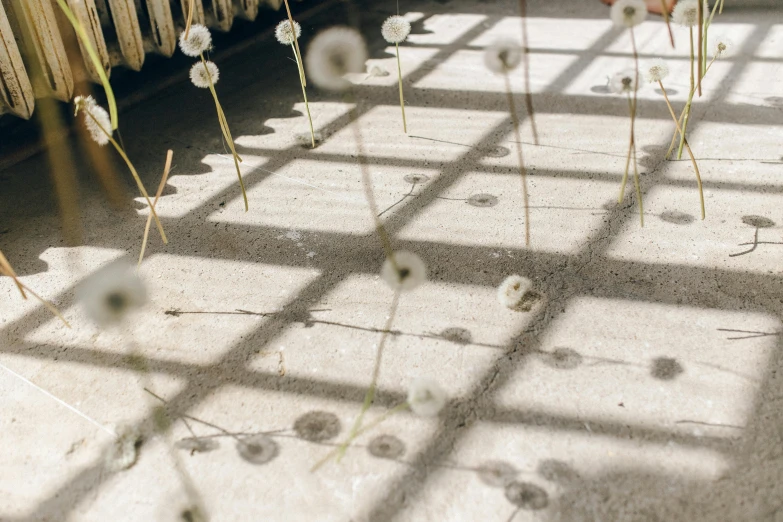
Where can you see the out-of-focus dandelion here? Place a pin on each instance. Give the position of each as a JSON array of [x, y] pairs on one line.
[[628, 13], [395, 30], [124, 450], [96, 119], [686, 13], [500, 58], [288, 34], [333, 53], [722, 47], [425, 397], [204, 75], [112, 293], [512, 290], [404, 271], [657, 71]]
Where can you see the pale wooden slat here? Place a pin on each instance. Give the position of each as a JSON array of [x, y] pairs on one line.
[[87, 14], [15, 89], [126, 25]]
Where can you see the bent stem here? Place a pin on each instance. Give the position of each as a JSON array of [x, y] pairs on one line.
[[304, 94], [399, 78], [191, 5], [226, 132], [370, 395], [665, 12], [689, 102], [520, 160], [161, 186], [135, 175], [298, 53], [7, 270], [687, 147]]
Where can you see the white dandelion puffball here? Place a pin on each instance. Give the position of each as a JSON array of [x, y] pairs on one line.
[[199, 40], [722, 47], [124, 452], [657, 71], [502, 56], [623, 82], [628, 13], [334, 53], [513, 289], [686, 13], [395, 29], [202, 72], [425, 397], [410, 271], [111, 293], [284, 34], [96, 119]]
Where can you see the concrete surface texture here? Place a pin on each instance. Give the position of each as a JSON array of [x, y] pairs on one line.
[[645, 383]]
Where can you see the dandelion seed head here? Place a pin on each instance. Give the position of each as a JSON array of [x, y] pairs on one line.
[[623, 82], [124, 452], [722, 47], [425, 397], [513, 289], [257, 449], [395, 29], [657, 71], [406, 272], [334, 53], [284, 34], [628, 13], [111, 293], [202, 72], [502, 56], [686, 13], [96, 119], [199, 40]]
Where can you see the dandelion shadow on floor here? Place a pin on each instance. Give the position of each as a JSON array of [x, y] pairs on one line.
[[758, 222], [676, 217]]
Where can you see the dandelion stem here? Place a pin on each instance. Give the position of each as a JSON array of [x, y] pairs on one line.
[[302, 77], [304, 94], [678, 131], [512, 109], [96, 61], [687, 147], [665, 12], [367, 427], [135, 174], [161, 186], [689, 102], [526, 71], [370, 395], [700, 16], [399, 78], [226, 132], [7, 270], [632, 104], [191, 8]]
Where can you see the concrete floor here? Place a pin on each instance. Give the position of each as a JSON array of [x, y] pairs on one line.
[[646, 383]]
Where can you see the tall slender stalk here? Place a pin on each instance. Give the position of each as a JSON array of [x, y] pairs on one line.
[[665, 13], [399, 78], [632, 105], [298, 53], [520, 159], [689, 102], [678, 131], [700, 16], [135, 174], [304, 92], [191, 8], [7, 270], [687, 147], [161, 186], [526, 71], [226, 131]]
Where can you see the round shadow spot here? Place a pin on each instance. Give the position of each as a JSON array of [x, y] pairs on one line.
[[527, 495], [758, 221], [666, 368], [482, 200], [257, 449], [677, 217], [562, 358], [497, 473], [386, 447], [457, 335], [416, 178], [600, 89], [497, 152], [557, 471], [317, 426], [197, 445]]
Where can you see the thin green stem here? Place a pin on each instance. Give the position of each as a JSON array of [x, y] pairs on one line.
[[226, 132], [304, 94], [632, 105], [370, 395], [399, 78], [687, 147], [689, 102], [700, 16]]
